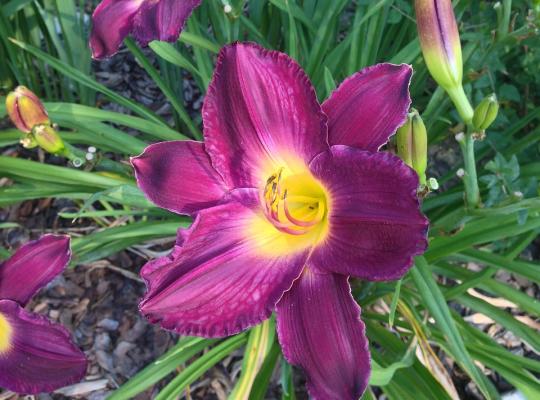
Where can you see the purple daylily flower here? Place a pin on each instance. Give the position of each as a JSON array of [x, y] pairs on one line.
[[146, 20], [36, 355], [290, 198]]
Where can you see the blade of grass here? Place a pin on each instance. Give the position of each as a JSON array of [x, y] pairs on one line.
[[167, 91], [260, 385], [186, 348], [80, 77], [436, 304], [200, 366], [259, 343]]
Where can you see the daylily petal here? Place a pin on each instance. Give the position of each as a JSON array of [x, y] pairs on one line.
[[229, 272], [32, 266], [154, 271], [40, 356], [260, 113], [162, 20], [178, 176], [320, 330], [375, 226], [112, 21], [368, 107]]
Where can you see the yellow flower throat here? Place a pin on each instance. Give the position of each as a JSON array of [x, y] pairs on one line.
[[295, 203], [5, 334]]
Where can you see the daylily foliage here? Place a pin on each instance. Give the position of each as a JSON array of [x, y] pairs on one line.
[[289, 199]]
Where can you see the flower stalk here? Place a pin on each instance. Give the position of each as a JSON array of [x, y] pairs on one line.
[[441, 47], [470, 177], [461, 102]]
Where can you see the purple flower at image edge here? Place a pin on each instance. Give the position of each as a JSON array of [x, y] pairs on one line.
[[289, 199], [145, 20], [36, 355]]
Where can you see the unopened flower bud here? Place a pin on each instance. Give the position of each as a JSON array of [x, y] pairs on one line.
[[439, 40], [48, 139], [25, 109], [486, 112], [411, 140]]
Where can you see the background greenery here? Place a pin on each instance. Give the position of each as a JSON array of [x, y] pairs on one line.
[[417, 327]]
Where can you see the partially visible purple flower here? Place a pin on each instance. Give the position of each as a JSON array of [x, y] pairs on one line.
[[146, 20], [290, 198], [36, 355]]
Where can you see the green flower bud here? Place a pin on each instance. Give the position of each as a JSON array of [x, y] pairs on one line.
[[411, 140], [441, 47], [28, 142], [48, 139], [439, 40], [486, 112]]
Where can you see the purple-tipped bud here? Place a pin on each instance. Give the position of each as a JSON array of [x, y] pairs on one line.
[[25, 109], [439, 40], [411, 140]]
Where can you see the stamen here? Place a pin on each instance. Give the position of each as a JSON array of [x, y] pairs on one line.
[[308, 210], [298, 221]]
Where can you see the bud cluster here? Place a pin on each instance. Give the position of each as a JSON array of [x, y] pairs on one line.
[[28, 114]]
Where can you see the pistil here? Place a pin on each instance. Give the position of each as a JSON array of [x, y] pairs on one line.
[[288, 208]]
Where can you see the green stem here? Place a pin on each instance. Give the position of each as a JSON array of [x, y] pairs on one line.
[[460, 100], [470, 179]]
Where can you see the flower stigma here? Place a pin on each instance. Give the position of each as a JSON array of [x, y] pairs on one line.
[[295, 203]]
